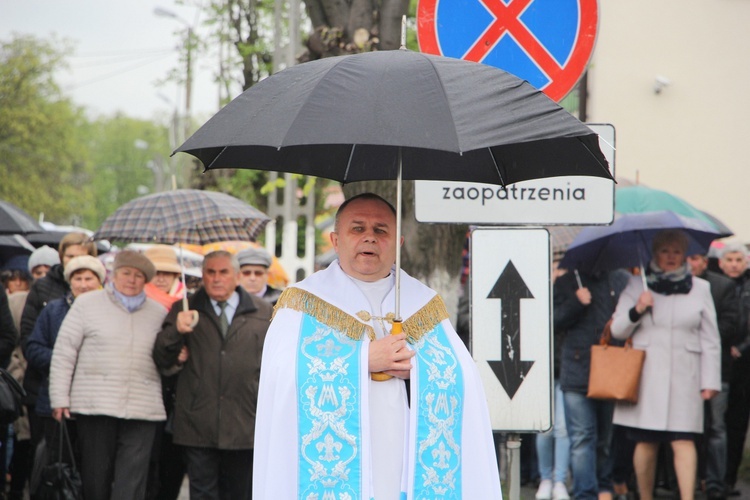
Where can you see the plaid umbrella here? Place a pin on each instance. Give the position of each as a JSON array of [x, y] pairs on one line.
[[183, 216]]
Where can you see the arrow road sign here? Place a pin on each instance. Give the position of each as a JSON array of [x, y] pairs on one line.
[[511, 334], [510, 289]]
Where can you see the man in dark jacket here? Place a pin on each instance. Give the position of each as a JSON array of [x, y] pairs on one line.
[[582, 306], [724, 295], [217, 389], [733, 263]]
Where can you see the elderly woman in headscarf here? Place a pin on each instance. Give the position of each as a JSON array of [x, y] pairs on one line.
[[674, 321], [103, 372]]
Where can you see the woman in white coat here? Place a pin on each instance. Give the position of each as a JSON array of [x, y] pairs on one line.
[[674, 321]]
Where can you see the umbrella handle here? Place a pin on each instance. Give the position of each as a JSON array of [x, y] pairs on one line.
[[578, 278], [196, 314], [397, 328], [185, 305]]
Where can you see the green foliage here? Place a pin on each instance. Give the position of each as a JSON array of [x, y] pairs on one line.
[[42, 159], [53, 160], [126, 156]]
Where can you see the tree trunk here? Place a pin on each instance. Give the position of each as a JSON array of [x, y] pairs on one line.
[[340, 27], [431, 252]]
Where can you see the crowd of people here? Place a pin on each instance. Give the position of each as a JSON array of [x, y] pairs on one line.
[[687, 431], [155, 382], [144, 401]]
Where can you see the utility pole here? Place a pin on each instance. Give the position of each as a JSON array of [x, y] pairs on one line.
[[189, 43]]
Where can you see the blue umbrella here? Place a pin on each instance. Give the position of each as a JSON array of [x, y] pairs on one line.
[[627, 242]]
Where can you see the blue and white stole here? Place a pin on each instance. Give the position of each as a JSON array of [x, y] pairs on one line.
[[330, 406]]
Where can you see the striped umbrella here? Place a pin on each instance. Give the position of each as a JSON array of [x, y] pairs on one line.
[[183, 216]]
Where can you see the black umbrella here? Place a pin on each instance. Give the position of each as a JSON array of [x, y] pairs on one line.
[[53, 237], [398, 114], [10, 246], [13, 220]]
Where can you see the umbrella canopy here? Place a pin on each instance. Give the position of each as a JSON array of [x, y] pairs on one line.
[[13, 220], [12, 245], [361, 117], [183, 216], [639, 199], [627, 242], [53, 235], [562, 237]]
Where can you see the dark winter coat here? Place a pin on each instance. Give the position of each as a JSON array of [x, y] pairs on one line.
[[742, 286], [724, 294], [8, 332], [217, 389], [40, 344], [272, 294], [583, 325], [52, 286]]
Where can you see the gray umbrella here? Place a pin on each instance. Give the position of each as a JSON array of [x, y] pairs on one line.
[[398, 115]]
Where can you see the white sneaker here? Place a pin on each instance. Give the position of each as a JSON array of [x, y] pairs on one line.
[[545, 490], [560, 492]]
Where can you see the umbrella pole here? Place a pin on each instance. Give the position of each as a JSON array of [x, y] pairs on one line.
[[399, 196], [185, 305], [397, 324]]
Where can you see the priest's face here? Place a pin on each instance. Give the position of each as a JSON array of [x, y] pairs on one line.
[[365, 239]]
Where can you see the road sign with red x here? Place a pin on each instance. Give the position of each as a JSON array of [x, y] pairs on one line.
[[547, 42]]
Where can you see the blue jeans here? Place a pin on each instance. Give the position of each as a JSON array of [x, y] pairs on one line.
[[553, 446], [589, 424], [715, 436]]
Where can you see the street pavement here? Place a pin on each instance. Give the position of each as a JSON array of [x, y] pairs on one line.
[[528, 492]]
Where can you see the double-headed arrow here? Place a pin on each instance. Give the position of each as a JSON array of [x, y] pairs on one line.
[[510, 289]]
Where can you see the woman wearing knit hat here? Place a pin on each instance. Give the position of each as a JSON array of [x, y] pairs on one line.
[[41, 260], [103, 372], [84, 274]]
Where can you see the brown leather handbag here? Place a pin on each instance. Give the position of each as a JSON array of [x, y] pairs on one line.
[[615, 373]]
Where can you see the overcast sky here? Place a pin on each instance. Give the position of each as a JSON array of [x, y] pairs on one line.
[[121, 50]]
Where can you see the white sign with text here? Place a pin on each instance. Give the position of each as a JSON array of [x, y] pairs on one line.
[[555, 200]]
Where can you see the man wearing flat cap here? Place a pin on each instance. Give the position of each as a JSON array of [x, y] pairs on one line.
[[217, 390], [254, 264]]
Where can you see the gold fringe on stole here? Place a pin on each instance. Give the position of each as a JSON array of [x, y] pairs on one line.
[[415, 327], [328, 314], [425, 320]]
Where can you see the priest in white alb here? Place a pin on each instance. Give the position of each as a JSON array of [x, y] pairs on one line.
[[328, 426]]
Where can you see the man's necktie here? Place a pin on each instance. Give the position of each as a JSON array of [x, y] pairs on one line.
[[223, 320]]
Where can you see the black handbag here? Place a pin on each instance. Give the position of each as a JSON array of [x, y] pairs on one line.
[[11, 398], [60, 480]]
